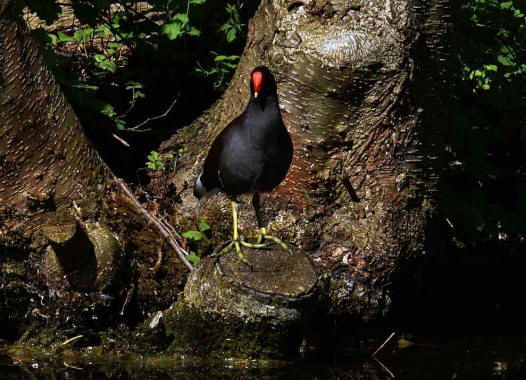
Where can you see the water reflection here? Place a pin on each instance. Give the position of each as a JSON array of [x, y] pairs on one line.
[[499, 357]]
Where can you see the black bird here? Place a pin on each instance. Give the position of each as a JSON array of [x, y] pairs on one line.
[[251, 155]]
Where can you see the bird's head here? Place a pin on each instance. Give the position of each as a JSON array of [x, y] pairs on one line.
[[262, 83]]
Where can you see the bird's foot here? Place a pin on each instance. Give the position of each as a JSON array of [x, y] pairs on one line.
[[263, 235], [237, 244]]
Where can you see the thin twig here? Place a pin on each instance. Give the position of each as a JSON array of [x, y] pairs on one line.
[[155, 117], [140, 14], [72, 366], [382, 345], [159, 260], [177, 248], [383, 367], [129, 293], [132, 104], [71, 340], [169, 226], [119, 139], [171, 231]]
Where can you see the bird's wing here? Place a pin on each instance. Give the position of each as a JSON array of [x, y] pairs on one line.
[[209, 177]]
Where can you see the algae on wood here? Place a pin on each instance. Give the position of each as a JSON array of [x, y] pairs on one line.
[[228, 309]]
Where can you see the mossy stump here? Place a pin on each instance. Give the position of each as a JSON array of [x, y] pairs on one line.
[[82, 255], [229, 310]]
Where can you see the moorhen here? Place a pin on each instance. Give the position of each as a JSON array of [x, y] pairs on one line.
[[251, 155]]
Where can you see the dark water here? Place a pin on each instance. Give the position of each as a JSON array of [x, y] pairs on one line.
[[486, 357]]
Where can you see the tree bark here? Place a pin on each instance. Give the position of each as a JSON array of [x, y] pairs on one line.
[[69, 236], [44, 154], [363, 88]]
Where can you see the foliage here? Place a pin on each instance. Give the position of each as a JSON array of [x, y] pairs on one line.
[[233, 26], [155, 162], [485, 189], [223, 64], [123, 60], [197, 237]]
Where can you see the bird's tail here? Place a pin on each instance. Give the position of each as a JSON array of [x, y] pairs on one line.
[[200, 191]]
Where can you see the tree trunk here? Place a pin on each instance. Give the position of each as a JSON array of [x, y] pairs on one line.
[[44, 154], [68, 235], [362, 89]]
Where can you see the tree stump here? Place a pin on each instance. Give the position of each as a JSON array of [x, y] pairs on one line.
[[229, 310]]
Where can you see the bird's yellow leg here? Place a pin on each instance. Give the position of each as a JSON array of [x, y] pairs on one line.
[[236, 241], [262, 235]]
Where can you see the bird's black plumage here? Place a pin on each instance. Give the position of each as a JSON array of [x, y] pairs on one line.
[[253, 153]]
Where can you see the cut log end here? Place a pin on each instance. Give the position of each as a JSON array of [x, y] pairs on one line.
[[244, 312], [275, 272]]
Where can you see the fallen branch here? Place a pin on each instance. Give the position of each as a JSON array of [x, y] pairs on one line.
[[162, 229]]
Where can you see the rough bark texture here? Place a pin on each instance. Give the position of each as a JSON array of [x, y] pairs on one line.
[[361, 87], [69, 236], [44, 155], [362, 90]]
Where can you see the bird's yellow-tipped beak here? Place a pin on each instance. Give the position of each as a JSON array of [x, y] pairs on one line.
[[255, 94]]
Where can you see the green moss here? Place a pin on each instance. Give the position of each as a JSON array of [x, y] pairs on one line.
[[197, 333]]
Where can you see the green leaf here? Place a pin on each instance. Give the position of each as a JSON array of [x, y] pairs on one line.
[[220, 58], [505, 61], [197, 1], [153, 156], [53, 38], [231, 35], [194, 31], [108, 110], [491, 67], [203, 226], [193, 235], [183, 17], [108, 65], [83, 35], [172, 30], [133, 86], [63, 37], [193, 258], [120, 124], [85, 86]]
